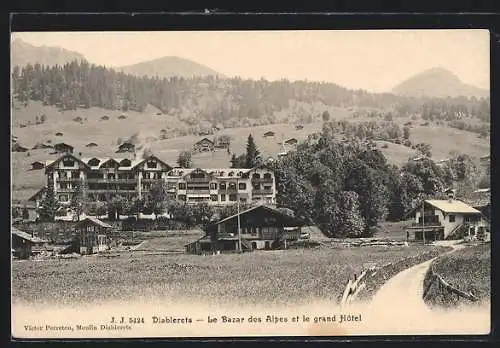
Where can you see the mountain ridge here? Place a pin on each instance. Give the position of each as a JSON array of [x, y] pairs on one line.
[[437, 82], [169, 66], [23, 53]]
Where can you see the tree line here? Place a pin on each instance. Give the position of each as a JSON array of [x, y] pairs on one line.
[[231, 102]]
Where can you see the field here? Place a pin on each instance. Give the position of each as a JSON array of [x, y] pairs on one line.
[[468, 269], [147, 125], [275, 277]]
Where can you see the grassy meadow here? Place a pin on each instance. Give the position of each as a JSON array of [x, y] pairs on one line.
[[147, 125], [467, 269], [275, 277]]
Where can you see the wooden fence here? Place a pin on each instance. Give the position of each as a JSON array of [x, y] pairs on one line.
[[443, 286]]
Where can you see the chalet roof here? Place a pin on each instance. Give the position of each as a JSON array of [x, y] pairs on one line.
[[37, 162], [204, 140], [25, 235], [292, 220], [91, 144], [127, 143], [95, 221], [49, 163], [269, 133], [291, 140], [63, 145], [452, 206]]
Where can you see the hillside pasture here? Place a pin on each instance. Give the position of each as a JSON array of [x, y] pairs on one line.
[[147, 127]]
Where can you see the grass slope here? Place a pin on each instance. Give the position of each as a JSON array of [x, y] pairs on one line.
[[147, 126], [278, 277], [468, 269]]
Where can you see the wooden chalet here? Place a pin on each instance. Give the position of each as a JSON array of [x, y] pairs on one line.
[[22, 243], [291, 141], [18, 148], [261, 227], [91, 145], [204, 144], [41, 146], [37, 165], [268, 134], [92, 235], [63, 148], [126, 147]]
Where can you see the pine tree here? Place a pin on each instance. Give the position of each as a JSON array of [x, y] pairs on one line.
[[49, 205], [77, 201], [253, 154]]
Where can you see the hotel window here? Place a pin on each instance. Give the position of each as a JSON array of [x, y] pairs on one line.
[[243, 200], [232, 186], [182, 186], [242, 186], [452, 218], [267, 187], [63, 185], [222, 198], [63, 198], [256, 176], [222, 186], [213, 186], [213, 198], [232, 197], [230, 174], [181, 197], [267, 176]]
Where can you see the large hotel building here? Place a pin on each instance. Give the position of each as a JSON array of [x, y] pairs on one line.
[[103, 178]]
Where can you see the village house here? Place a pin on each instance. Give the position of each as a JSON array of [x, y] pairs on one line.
[[204, 144], [59, 134], [41, 146], [299, 127], [223, 143], [268, 134], [92, 235], [63, 148], [445, 219], [91, 145], [37, 165], [22, 243], [126, 147], [260, 227], [291, 141]]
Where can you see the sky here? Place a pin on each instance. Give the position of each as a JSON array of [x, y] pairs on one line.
[[374, 60]]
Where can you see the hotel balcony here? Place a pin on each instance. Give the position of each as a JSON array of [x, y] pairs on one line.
[[426, 224], [69, 179], [262, 192], [262, 181], [197, 192]]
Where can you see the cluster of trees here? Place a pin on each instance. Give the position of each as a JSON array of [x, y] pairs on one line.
[[250, 158], [229, 102], [347, 188]]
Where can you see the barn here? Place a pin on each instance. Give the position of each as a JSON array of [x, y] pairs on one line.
[[204, 144], [93, 235], [22, 243], [63, 148]]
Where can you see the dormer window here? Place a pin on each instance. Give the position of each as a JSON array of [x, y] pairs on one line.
[[230, 174], [94, 162], [240, 173], [256, 176], [68, 162], [151, 164], [222, 173], [125, 163]]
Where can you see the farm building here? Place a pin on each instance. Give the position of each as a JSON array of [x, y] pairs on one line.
[[291, 141], [268, 134], [63, 148], [204, 144], [22, 243], [91, 145], [126, 147], [261, 227], [446, 219], [59, 134], [18, 148], [37, 165], [41, 146], [299, 127], [93, 235], [223, 142], [480, 200]]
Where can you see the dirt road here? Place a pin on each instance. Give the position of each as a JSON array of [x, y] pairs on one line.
[[400, 302]]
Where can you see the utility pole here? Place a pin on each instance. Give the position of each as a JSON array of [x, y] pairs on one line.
[[423, 221], [239, 223]]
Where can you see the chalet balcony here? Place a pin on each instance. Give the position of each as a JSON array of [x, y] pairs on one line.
[[151, 181], [66, 190], [262, 181], [426, 224], [112, 181], [69, 179], [198, 192], [198, 181]]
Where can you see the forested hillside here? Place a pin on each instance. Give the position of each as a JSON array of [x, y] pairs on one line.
[[212, 101]]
